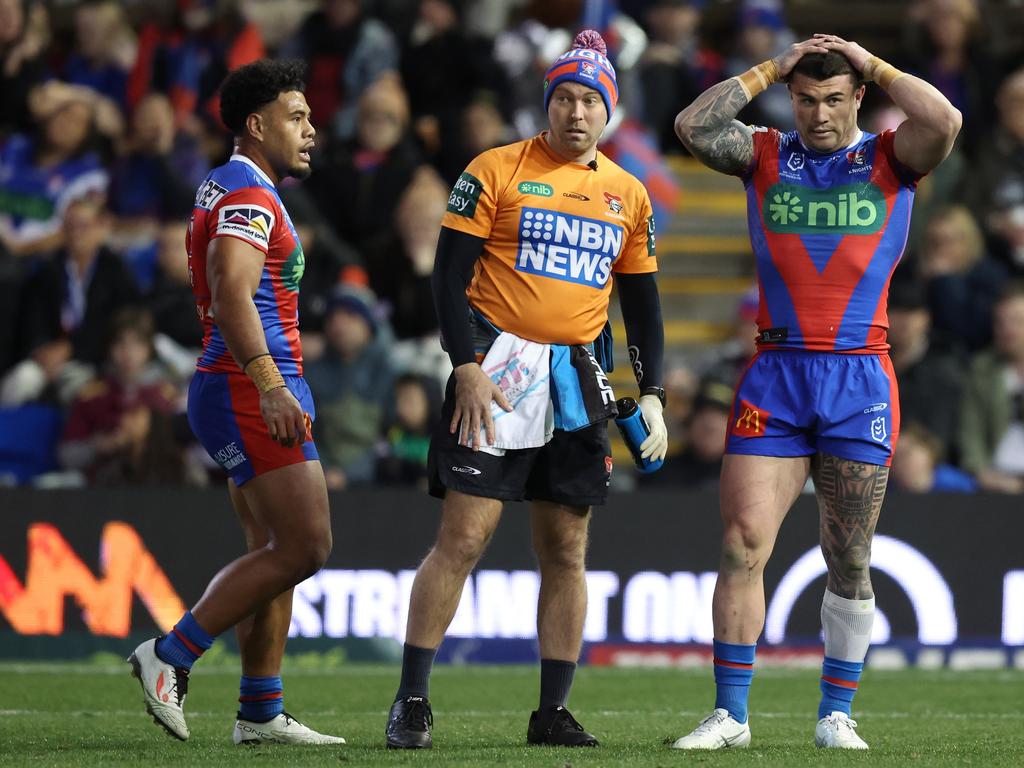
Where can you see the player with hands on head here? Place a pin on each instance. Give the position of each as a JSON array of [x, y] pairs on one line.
[[828, 212], [251, 409]]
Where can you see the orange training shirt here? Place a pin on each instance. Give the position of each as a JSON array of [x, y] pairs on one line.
[[556, 231]]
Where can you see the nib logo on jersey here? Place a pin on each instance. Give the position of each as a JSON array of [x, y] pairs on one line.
[[566, 247], [850, 209]]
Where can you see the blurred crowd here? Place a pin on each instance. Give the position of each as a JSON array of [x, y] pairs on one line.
[[110, 122]]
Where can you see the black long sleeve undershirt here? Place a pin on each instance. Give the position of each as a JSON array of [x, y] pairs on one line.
[[645, 332], [454, 261]]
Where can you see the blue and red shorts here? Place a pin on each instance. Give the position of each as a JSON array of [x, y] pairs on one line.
[[224, 413], [797, 403]]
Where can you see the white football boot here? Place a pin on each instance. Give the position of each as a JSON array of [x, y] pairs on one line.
[[283, 729], [163, 687], [716, 731], [836, 731]]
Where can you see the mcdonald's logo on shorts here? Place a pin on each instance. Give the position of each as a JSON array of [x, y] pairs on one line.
[[750, 421]]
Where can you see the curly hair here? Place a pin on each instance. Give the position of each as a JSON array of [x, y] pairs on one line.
[[825, 66], [249, 88]]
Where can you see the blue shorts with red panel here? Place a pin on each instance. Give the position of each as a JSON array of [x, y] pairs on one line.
[[797, 403], [224, 413]]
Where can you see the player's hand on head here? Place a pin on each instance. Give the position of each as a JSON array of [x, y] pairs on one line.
[[786, 60], [284, 416], [856, 53], [474, 392], [656, 445]]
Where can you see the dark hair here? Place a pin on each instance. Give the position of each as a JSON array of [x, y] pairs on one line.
[[249, 88], [825, 66], [132, 319]]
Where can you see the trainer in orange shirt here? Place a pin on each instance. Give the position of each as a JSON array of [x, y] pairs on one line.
[[542, 226]]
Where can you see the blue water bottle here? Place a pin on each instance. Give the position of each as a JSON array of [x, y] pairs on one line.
[[634, 431]]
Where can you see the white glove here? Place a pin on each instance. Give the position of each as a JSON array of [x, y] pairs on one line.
[[656, 444]]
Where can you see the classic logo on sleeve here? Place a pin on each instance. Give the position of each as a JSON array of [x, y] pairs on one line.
[[650, 236], [465, 195], [249, 222], [565, 247]]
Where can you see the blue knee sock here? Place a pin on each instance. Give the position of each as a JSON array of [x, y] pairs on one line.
[[260, 698], [734, 669], [839, 680], [183, 644]]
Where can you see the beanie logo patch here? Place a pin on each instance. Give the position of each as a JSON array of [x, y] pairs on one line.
[[465, 195], [587, 70]]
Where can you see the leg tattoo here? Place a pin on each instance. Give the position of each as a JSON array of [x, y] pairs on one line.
[[850, 495]]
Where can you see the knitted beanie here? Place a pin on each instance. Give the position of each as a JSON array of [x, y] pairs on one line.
[[585, 63]]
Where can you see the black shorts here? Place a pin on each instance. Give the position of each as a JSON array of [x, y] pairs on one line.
[[574, 468]]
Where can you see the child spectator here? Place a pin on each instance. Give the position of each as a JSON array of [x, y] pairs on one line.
[[403, 459]]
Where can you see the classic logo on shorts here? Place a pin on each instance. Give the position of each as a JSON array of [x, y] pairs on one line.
[[566, 247], [751, 421], [249, 222], [850, 209], [465, 195], [293, 269]]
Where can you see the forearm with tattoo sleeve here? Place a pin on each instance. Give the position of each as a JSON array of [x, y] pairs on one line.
[[708, 128]]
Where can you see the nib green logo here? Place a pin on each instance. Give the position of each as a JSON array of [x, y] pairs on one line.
[[785, 207], [850, 209]]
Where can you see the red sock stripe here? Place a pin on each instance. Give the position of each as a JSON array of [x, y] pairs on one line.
[[188, 643], [733, 664], [839, 682], [261, 697]]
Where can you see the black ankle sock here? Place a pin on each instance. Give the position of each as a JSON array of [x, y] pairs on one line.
[[555, 682], [416, 666]]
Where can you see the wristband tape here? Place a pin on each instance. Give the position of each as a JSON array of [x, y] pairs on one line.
[[882, 72], [264, 373], [757, 79]]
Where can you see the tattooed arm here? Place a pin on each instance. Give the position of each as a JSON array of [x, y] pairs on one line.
[[708, 127]]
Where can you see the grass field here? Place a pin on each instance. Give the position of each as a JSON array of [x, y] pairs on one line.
[[91, 715]]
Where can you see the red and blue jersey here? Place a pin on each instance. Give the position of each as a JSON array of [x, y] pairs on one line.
[[239, 200], [827, 231]]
